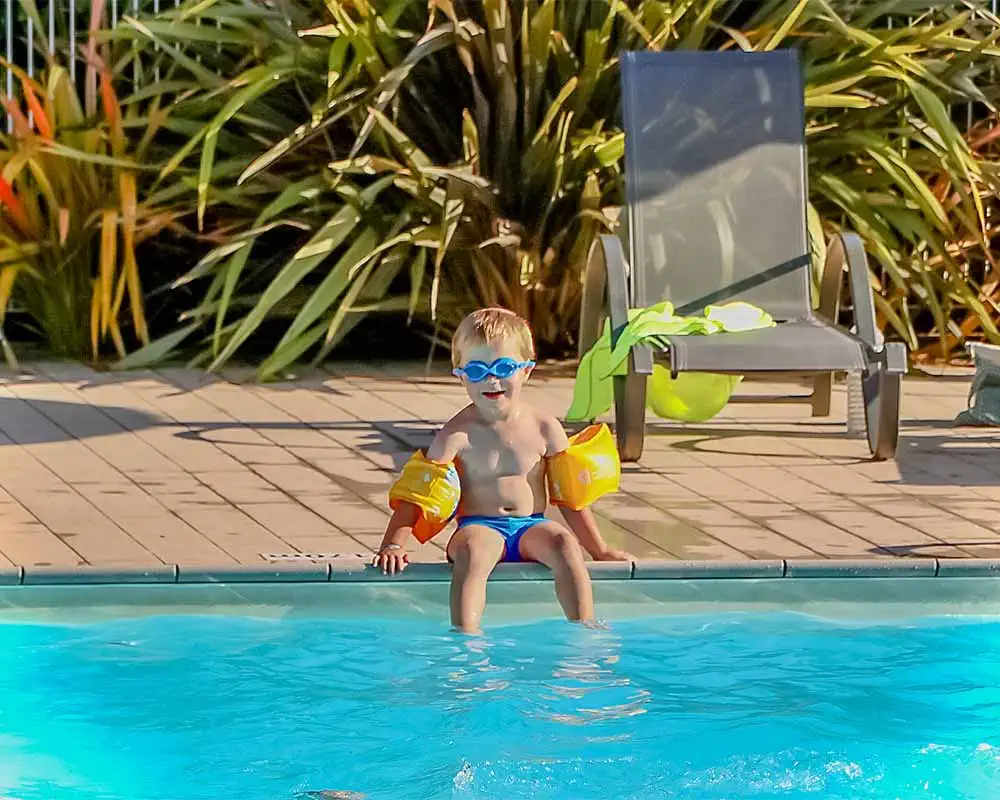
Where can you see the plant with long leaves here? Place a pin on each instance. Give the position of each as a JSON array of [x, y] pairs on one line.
[[428, 159], [73, 212], [971, 258]]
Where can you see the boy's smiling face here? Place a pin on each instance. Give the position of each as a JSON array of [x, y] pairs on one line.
[[495, 397]]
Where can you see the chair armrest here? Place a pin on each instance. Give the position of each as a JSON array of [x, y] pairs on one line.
[[848, 248], [830, 280], [619, 301]]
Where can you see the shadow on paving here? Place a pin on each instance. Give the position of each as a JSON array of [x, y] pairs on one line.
[[34, 421], [918, 550], [968, 457], [38, 421], [396, 438]]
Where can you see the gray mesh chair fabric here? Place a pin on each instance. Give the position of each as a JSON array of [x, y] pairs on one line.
[[715, 178], [805, 345], [716, 191]]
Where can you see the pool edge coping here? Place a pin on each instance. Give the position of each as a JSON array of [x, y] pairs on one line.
[[357, 570]]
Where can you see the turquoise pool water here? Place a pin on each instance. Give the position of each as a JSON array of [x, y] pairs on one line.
[[768, 705]]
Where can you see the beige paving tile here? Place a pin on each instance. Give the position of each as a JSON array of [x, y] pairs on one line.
[[67, 457], [134, 507], [131, 403], [757, 541], [784, 484], [196, 405], [873, 523], [163, 533], [233, 532], [300, 479], [352, 514], [982, 513], [361, 477], [289, 520], [826, 539], [83, 527], [663, 458], [64, 511], [671, 534], [238, 487], [714, 484], [25, 541], [886, 533], [30, 543], [668, 539], [70, 408], [173, 540]]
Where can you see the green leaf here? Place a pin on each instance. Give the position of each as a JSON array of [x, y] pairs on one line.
[[319, 247], [333, 285], [157, 350], [418, 269], [259, 81]]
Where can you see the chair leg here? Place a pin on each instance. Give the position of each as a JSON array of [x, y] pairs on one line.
[[882, 391], [822, 394], [630, 414]]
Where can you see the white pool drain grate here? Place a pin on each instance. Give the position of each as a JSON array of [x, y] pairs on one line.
[[311, 556]]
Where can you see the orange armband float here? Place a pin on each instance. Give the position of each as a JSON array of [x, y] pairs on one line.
[[433, 488], [586, 470]]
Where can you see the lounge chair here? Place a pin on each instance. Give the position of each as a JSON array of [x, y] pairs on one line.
[[716, 211]]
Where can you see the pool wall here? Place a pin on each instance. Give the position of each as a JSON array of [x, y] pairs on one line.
[[841, 590], [358, 570]]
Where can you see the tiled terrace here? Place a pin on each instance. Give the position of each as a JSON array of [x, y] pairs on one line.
[[171, 467]]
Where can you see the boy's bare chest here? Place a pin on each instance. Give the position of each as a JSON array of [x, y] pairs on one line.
[[495, 453]]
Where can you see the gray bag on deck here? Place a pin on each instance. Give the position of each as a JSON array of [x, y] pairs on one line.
[[984, 394]]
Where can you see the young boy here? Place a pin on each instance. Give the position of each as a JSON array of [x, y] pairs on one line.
[[501, 448]]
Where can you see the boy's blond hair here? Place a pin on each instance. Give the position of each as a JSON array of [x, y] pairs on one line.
[[491, 326]]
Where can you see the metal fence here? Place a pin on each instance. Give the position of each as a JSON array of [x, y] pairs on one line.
[[61, 21]]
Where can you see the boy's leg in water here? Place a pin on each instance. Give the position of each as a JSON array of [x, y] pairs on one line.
[[474, 551], [558, 549]]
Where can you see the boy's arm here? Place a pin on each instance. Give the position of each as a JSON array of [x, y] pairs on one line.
[[582, 522], [584, 527], [392, 556]]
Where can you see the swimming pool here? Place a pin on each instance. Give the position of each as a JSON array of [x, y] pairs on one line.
[[842, 688]]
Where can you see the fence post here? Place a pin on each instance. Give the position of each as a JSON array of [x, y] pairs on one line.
[[9, 55]]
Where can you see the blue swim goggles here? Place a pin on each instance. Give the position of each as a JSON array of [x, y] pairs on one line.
[[502, 368]]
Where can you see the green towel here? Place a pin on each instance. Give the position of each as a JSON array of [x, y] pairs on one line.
[[593, 391]]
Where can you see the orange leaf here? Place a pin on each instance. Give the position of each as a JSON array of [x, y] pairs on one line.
[[63, 225], [21, 126], [41, 120], [9, 199], [112, 112]]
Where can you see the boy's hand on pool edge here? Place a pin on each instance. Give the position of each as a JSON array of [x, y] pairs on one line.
[[391, 560]]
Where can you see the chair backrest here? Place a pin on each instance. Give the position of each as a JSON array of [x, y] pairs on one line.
[[716, 179]]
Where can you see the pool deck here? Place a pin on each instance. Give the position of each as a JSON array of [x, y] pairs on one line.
[[171, 469]]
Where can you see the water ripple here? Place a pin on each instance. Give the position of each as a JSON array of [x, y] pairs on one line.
[[210, 708]]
